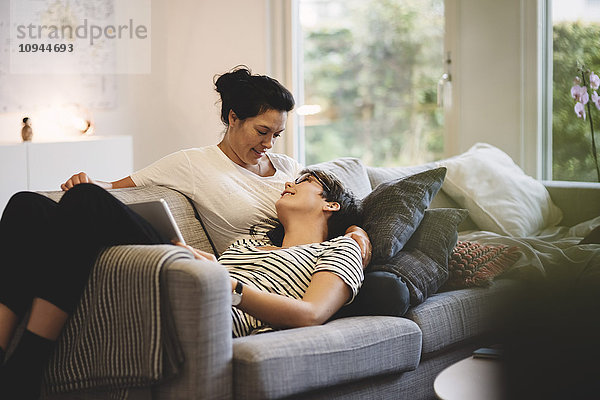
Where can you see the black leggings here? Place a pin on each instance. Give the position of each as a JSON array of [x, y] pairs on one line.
[[47, 249]]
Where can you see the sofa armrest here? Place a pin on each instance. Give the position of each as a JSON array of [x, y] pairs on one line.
[[579, 201], [120, 299], [200, 300]]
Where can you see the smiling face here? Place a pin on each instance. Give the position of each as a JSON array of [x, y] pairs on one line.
[[304, 195], [247, 141]]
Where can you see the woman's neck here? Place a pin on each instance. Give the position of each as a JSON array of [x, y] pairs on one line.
[[304, 232]]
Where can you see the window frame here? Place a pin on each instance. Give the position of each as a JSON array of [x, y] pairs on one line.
[[295, 137], [537, 23], [536, 77], [536, 89], [283, 61]]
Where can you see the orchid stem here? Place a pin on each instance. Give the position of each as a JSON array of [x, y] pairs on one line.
[[589, 110]]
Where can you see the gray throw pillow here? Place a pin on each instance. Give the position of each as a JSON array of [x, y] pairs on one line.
[[422, 275], [392, 212], [423, 263], [437, 234]]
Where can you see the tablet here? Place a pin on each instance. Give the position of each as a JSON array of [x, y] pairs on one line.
[[157, 213]]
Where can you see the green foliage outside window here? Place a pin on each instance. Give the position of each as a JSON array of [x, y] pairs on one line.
[[572, 158], [373, 68]]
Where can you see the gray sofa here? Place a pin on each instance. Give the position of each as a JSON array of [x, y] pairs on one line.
[[366, 357]]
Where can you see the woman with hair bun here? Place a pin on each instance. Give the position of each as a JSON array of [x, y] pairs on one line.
[[240, 168]]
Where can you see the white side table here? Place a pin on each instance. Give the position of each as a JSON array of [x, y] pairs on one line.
[[470, 379]]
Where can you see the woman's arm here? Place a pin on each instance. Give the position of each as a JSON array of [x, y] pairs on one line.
[[325, 295], [82, 177]]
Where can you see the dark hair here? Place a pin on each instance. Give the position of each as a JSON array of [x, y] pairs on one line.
[[339, 221], [250, 95]]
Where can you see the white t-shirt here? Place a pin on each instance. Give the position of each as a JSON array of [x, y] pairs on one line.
[[229, 198], [288, 271]]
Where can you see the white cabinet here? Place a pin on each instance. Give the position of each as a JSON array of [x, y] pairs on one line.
[[45, 165], [13, 171]]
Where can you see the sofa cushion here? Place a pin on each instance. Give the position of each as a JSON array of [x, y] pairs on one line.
[[392, 212], [423, 276], [474, 264], [451, 317], [283, 363], [351, 172], [437, 233], [381, 293], [442, 200], [423, 263], [500, 197]]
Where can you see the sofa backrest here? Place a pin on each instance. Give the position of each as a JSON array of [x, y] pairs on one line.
[[181, 207], [351, 172]]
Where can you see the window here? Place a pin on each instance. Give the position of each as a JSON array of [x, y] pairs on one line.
[[369, 72], [575, 38]]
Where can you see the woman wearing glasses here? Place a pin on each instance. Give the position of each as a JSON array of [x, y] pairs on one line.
[[300, 276], [310, 273]]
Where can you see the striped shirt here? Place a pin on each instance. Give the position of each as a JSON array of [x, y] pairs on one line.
[[288, 271]]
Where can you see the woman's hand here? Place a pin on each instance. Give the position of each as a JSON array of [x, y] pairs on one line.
[[198, 254], [82, 177], [360, 236], [76, 179]]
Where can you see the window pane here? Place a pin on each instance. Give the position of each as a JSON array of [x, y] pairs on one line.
[[576, 38], [370, 74]]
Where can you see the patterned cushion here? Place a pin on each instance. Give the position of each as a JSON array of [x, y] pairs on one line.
[[473, 264], [393, 211]]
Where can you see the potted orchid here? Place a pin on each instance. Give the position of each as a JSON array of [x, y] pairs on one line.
[[589, 82]]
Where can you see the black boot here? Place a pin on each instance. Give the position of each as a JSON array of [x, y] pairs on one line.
[[21, 375]]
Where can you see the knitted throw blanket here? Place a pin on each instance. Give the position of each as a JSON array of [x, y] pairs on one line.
[[121, 335], [473, 264]]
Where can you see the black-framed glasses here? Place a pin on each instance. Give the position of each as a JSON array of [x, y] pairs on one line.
[[305, 176]]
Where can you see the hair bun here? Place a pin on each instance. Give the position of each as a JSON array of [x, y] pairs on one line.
[[231, 80], [249, 95]]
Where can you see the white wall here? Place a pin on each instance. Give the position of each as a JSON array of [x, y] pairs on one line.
[[175, 107]]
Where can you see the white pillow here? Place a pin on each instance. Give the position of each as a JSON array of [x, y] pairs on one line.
[[499, 196]]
